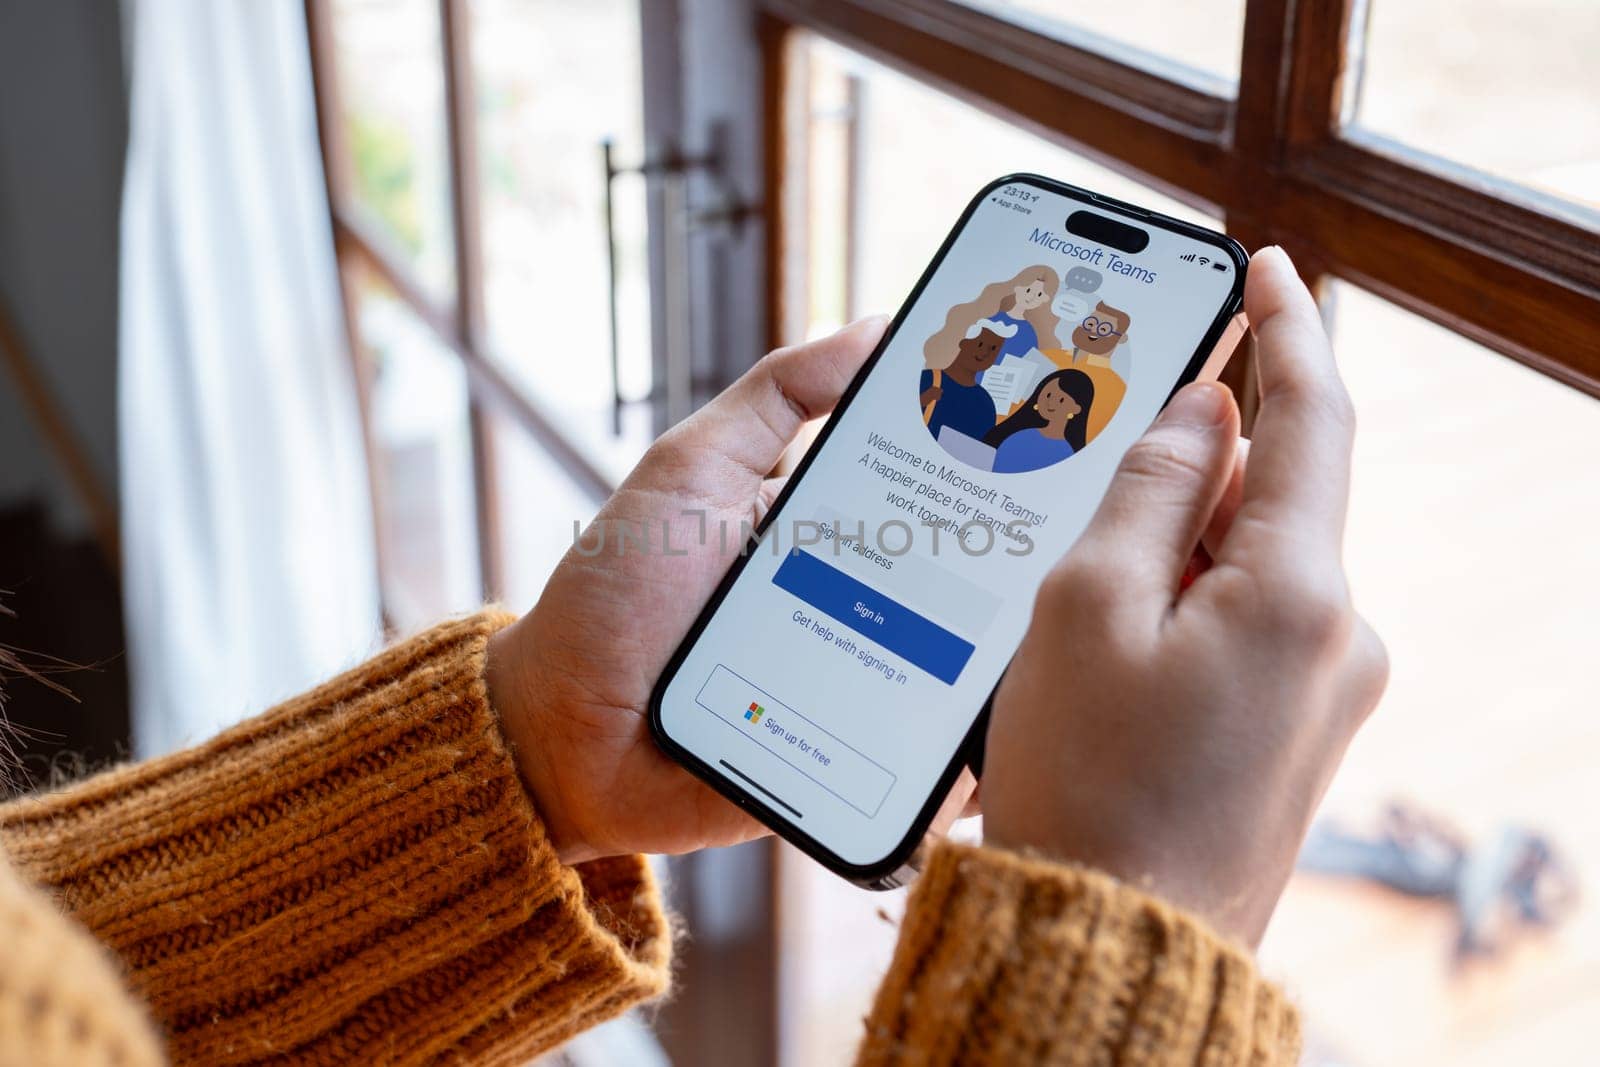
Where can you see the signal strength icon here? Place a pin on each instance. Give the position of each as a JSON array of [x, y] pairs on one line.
[[1190, 258]]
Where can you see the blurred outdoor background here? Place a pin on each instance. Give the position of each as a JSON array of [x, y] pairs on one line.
[[490, 406]]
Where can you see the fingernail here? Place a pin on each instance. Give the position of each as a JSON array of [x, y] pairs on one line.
[[1276, 252], [1199, 404]]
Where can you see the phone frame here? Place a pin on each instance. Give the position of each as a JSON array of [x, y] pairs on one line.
[[883, 874]]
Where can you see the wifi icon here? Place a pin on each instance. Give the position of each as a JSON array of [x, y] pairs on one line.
[[1204, 261]]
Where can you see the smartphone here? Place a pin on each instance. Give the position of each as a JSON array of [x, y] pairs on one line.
[[838, 679]]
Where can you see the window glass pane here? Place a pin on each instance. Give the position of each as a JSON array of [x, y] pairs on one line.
[[1471, 549], [903, 210], [831, 146], [391, 89], [1197, 41], [1509, 87], [546, 100], [535, 527], [427, 523]]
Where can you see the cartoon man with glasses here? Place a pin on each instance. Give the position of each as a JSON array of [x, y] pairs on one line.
[[1093, 343]]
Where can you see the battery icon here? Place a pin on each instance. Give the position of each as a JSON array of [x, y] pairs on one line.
[[1219, 266]]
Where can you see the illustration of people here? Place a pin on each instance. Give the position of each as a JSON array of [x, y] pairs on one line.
[[950, 394], [1047, 429], [1094, 342], [1022, 302]]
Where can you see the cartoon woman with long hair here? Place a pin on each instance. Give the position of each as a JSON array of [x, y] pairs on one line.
[[1024, 302], [1048, 428]]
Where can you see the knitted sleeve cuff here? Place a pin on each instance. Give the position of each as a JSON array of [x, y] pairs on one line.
[[1009, 959], [357, 875]]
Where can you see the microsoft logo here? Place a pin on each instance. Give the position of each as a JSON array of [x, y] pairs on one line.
[[754, 712]]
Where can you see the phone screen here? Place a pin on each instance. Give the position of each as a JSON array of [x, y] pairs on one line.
[[835, 677]]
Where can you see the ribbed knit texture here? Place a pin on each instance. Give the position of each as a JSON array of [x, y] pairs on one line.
[[356, 876], [1005, 959]]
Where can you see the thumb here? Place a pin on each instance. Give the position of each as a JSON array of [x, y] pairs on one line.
[[1164, 493], [755, 418]]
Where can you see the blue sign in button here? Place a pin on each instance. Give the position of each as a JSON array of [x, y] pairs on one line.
[[868, 612]]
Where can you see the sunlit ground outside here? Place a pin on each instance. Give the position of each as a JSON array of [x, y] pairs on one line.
[[1508, 87], [1471, 548]]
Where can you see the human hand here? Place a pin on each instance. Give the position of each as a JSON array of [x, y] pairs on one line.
[[571, 679], [930, 394], [1181, 739]]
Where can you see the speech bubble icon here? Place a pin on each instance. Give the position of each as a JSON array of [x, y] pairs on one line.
[[1083, 279], [1071, 305]]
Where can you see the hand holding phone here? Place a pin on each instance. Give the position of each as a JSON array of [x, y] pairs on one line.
[[1181, 740], [834, 684], [571, 679]]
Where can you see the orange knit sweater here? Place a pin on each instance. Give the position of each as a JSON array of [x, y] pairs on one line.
[[358, 876]]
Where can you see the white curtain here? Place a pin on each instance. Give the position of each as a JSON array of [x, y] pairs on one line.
[[249, 570]]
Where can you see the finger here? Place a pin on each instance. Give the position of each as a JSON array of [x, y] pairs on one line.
[[955, 803], [1298, 480], [766, 494], [721, 822], [1366, 672], [1161, 497], [754, 419], [974, 802], [1228, 504]]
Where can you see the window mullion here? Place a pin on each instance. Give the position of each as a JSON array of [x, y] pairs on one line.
[[466, 221]]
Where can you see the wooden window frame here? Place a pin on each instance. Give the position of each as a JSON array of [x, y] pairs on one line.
[[458, 324], [1275, 161]]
